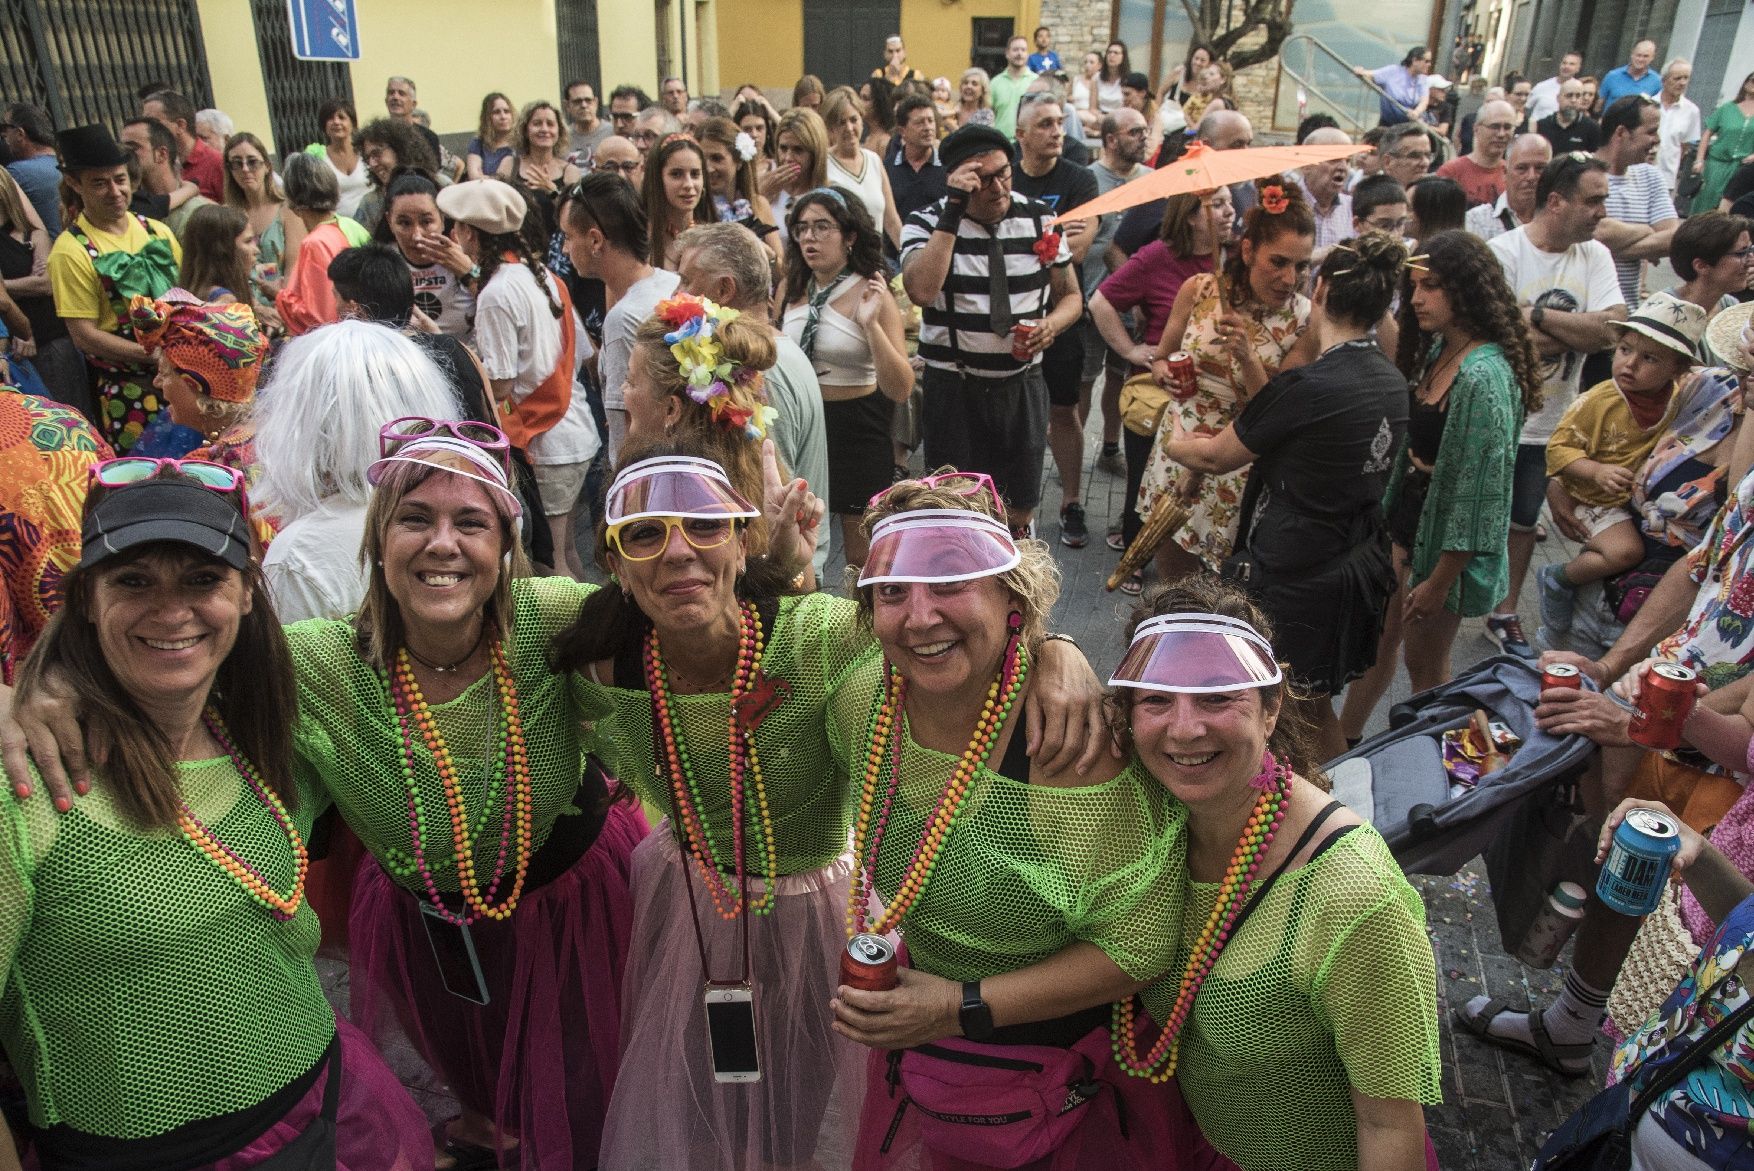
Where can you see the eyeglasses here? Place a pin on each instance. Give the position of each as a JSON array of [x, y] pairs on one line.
[[1498, 127], [643, 138], [812, 228], [1742, 253], [962, 483], [627, 168], [245, 164], [1393, 226], [392, 436], [997, 179], [128, 470], [648, 537]]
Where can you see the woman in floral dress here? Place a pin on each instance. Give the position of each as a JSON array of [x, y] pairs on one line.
[[1236, 347]]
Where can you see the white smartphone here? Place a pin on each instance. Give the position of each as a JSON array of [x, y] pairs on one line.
[[730, 1020]]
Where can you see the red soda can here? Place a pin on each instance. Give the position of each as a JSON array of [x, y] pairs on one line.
[[1183, 381], [1020, 334], [1561, 675], [868, 963], [1665, 700]]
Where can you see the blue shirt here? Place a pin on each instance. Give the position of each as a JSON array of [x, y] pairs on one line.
[[40, 180], [1620, 82], [1403, 86], [1044, 62]]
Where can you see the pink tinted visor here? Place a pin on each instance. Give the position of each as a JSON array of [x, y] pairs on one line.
[[938, 545], [1197, 654], [674, 485]]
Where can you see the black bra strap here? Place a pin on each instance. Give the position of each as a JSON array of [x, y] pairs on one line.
[[1261, 889]]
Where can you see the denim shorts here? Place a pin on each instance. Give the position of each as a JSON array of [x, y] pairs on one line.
[[1528, 486]]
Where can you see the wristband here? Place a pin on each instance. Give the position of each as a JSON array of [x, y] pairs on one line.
[[951, 217], [1058, 637]]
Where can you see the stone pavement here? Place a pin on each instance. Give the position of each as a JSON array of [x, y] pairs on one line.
[[1497, 1107]]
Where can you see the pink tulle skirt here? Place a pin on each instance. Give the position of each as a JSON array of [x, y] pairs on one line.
[[540, 1057], [1158, 1132], [668, 1112], [377, 1125]]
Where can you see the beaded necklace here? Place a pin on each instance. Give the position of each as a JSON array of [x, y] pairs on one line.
[[885, 737], [413, 712], [282, 907], [728, 897], [1263, 824]]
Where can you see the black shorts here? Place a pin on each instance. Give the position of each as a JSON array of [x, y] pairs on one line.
[[1062, 367], [861, 456], [994, 425]]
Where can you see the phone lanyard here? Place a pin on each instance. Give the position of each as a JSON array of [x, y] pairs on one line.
[[687, 861]]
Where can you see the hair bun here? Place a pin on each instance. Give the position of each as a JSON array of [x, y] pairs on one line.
[[1381, 250]]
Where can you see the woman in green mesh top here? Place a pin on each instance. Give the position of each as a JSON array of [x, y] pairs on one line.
[[694, 630], [160, 1003], [1300, 1015], [1028, 898]]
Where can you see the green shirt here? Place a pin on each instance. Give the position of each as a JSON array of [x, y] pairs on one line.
[[145, 988], [1004, 92], [816, 644], [1330, 986]]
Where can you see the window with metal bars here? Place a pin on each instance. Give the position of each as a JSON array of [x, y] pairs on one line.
[[85, 60]]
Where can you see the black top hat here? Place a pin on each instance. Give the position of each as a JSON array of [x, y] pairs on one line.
[[88, 148]]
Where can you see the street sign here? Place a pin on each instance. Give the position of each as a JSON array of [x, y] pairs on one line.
[[323, 30]]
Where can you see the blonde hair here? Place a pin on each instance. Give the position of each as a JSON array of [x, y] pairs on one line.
[[980, 75], [841, 101], [1034, 581], [807, 127], [378, 625]]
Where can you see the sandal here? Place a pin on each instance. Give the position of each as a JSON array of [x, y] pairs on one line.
[[1544, 1050], [463, 1156], [1135, 583]]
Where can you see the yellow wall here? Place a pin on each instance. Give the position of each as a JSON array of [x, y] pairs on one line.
[[761, 42], [939, 36], [235, 67], [456, 51], [626, 34]]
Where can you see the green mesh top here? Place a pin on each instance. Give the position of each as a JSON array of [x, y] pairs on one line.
[[349, 742], [145, 988], [1027, 869], [1329, 987], [815, 645]]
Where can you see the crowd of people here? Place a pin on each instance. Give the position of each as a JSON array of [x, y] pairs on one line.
[[395, 489]]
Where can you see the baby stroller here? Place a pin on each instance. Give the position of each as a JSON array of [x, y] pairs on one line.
[[1396, 780]]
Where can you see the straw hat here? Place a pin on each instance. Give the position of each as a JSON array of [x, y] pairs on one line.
[[1726, 335]]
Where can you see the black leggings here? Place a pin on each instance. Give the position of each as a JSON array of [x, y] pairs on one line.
[[1138, 449]]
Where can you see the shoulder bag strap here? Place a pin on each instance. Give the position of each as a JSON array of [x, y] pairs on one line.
[[1265, 885]]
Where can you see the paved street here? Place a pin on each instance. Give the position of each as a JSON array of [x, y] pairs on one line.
[[1497, 1108]]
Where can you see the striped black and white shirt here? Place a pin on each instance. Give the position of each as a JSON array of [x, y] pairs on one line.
[[956, 330]]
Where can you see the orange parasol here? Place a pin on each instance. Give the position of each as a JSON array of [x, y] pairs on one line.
[[1203, 169]]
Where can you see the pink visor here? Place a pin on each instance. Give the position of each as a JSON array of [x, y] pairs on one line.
[[938, 545], [674, 485], [1197, 654], [460, 457]]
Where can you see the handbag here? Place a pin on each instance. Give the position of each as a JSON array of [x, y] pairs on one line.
[[314, 1147], [1142, 403], [1660, 955], [996, 1105], [1599, 1136], [1626, 592]]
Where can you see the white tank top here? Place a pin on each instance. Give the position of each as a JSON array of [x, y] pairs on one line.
[[869, 187], [843, 355]]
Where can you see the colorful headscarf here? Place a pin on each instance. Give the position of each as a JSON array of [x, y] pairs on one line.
[[708, 373], [218, 347]]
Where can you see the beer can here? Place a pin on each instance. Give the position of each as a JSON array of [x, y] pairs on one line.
[[868, 963], [1665, 700], [1183, 381], [1639, 857], [1561, 675], [1020, 334]]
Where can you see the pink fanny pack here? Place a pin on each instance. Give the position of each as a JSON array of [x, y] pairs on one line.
[[999, 1105]]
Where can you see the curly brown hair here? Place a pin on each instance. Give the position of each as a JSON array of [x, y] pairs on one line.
[[1293, 740], [1481, 299], [1261, 227]]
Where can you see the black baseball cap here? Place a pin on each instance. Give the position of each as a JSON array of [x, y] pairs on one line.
[[165, 510]]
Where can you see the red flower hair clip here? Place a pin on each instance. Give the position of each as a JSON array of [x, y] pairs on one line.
[[1273, 200], [1047, 249], [680, 310]]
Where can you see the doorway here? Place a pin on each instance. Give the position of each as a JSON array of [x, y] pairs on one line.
[[843, 39]]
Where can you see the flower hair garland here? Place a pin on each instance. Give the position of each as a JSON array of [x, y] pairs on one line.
[[1273, 199], [708, 375]]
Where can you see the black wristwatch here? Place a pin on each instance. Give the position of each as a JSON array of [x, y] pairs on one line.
[[1536, 315], [976, 1018]]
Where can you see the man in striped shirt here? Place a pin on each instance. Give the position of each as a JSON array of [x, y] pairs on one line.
[[973, 261]]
